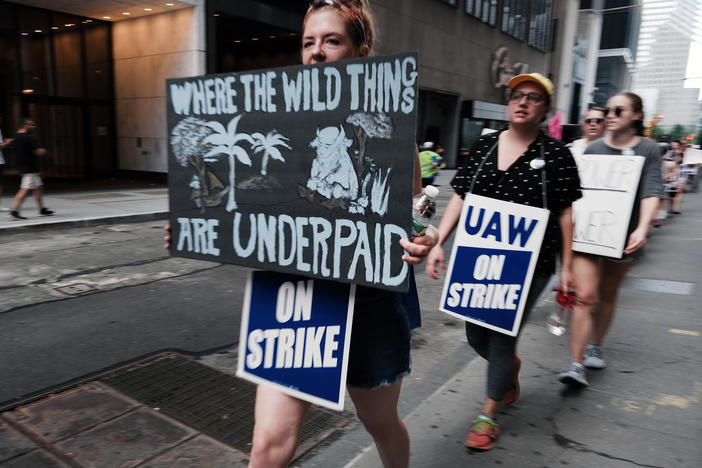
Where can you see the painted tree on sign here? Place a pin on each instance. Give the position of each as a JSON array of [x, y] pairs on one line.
[[226, 142], [267, 144]]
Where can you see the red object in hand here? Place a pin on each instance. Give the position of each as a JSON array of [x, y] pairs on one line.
[[565, 300]]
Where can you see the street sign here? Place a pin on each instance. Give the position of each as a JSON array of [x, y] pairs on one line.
[[305, 169], [295, 336]]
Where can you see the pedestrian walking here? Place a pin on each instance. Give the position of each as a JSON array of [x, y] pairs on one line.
[[28, 152], [593, 129], [521, 165], [597, 278], [380, 339], [429, 161]]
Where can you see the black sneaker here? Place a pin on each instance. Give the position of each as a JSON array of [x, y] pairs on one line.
[[46, 212], [16, 215]]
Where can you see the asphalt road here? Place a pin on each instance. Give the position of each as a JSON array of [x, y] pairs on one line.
[[77, 301]]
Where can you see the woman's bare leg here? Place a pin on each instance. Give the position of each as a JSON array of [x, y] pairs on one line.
[[612, 275], [586, 279], [278, 420], [377, 410]]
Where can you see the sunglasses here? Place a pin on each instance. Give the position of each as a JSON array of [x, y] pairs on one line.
[[616, 111], [356, 16], [597, 120], [534, 98]]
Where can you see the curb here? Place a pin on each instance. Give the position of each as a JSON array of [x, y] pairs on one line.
[[85, 222]]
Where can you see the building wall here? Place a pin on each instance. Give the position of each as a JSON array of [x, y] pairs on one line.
[[147, 51], [455, 49]]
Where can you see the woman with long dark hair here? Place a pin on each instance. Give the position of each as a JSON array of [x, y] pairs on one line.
[[597, 279]]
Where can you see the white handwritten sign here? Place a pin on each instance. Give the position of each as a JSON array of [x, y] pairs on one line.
[[692, 156], [304, 170], [492, 262], [602, 215]]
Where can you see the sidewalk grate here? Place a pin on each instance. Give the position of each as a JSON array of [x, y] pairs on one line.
[[660, 286], [75, 289], [214, 403]]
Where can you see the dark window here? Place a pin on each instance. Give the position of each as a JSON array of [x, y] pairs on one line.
[[98, 60], [35, 51], [67, 55], [540, 24], [514, 18], [484, 10]]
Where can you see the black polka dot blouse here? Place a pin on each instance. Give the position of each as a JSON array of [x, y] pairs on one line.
[[522, 184]]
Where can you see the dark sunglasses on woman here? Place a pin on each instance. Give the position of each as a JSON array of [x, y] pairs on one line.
[[617, 111], [597, 120]]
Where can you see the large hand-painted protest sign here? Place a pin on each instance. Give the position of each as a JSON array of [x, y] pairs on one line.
[[295, 335], [493, 259], [304, 169], [602, 215]]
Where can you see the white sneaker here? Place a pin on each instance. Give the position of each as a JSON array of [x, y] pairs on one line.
[[574, 375], [594, 358]]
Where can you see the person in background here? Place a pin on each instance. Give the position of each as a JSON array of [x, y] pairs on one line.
[[3, 144], [593, 129], [28, 152], [521, 165], [597, 278], [429, 161]]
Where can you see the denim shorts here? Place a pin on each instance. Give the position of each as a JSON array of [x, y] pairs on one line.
[[380, 340]]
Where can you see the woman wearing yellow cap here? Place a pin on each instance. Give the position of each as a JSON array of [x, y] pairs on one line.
[[520, 165]]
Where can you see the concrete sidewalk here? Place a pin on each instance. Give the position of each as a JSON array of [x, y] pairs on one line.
[[644, 409], [115, 204]]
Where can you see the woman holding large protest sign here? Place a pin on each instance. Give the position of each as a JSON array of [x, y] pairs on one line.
[[523, 166], [380, 341], [598, 278]]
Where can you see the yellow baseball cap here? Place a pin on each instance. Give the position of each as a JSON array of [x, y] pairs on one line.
[[537, 78]]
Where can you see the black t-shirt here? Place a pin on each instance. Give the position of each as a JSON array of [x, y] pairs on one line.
[[25, 144], [522, 184]]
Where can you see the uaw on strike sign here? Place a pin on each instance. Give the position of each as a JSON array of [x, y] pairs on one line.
[[493, 260], [295, 336]]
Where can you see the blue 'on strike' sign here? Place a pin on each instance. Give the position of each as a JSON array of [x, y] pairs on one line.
[[295, 335], [492, 262], [487, 285]]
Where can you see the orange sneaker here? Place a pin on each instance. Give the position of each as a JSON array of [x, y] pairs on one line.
[[483, 434], [513, 393]]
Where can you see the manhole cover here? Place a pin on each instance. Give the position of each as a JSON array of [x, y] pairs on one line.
[[212, 402], [660, 286], [75, 289]]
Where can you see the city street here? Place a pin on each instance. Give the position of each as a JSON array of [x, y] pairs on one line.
[[78, 301]]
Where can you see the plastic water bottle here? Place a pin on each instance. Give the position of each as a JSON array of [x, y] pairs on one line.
[[423, 208], [557, 320]]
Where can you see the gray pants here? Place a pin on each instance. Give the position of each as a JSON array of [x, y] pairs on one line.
[[499, 348]]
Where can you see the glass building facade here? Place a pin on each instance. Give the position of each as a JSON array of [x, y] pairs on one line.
[[57, 69]]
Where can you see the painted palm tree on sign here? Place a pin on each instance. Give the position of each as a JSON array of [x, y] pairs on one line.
[[268, 144], [226, 142]]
